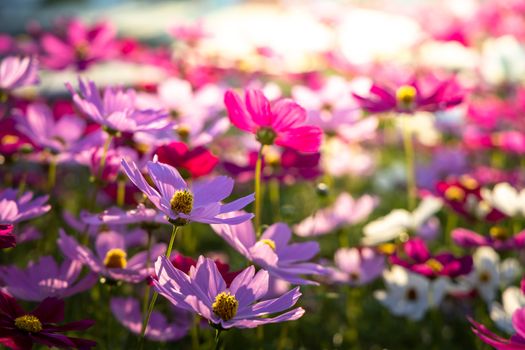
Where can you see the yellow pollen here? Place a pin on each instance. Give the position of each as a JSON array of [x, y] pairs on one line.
[[10, 140], [183, 131], [269, 242], [28, 323], [272, 158], [225, 306], [182, 202], [469, 182], [406, 95], [116, 258], [455, 193], [387, 248], [435, 265], [498, 232], [485, 277]]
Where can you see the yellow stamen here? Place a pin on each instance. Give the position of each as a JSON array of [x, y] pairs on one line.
[[28, 323], [406, 95], [387, 248], [455, 193], [498, 232], [182, 202], [272, 158], [469, 182], [225, 306], [435, 265], [270, 243], [116, 258], [10, 140], [183, 131]]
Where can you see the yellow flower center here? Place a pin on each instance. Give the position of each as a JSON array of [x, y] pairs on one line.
[[455, 193], [183, 131], [469, 182], [225, 306], [182, 202], [269, 242], [115, 258], [387, 248], [10, 140], [435, 265], [28, 323], [406, 95], [272, 158], [498, 232]]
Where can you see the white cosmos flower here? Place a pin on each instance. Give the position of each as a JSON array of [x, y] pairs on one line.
[[512, 299], [400, 221], [409, 294], [506, 199]]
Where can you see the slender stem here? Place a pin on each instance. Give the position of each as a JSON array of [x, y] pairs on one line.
[[121, 192], [217, 339], [102, 163], [195, 333], [410, 167], [258, 170], [275, 199], [148, 258], [51, 174], [155, 294]]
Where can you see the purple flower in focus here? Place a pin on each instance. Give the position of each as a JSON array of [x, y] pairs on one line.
[[272, 251], [182, 204], [14, 209], [356, 266], [204, 292], [498, 239], [18, 72], [7, 240], [44, 278], [110, 259], [128, 313], [116, 109]]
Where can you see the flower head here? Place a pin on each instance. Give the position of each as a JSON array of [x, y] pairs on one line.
[[17, 72], [499, 238], [14, 208], [356, 266], [196, 162]]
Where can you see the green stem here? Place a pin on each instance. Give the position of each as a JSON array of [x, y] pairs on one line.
[[195, 333], [102, 163], [275, 199], [148, 257], [121, 192], [410, 167], [258, 170], [51, 174], [217, 339]]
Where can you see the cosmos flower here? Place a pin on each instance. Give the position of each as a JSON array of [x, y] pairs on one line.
[[7, 240], [506, 199], [20, 330], [272, 251], [345, 211], [498, 238], [15, 208], [44, 278], [182, 204], [515, 342], [282, 123], [118, 216], [356, 266], [115, 110], [185, 263], [128, 312], [512, 300], [111, 258], [195, 162], [17, 72], [204, 292]]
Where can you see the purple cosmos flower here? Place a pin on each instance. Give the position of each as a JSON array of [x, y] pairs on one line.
[[40, 126], [117, 216], [204, 292], [273, 252], [182, 204], [44, 278], [20, 330], [128, 313], [14, 209], [17, 72], [356, 266], [498, 238], [515, 342], [417, 258], [7, 240], [111, 258], [116, 110]]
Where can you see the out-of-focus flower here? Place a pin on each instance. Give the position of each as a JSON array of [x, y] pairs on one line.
[[117, 216], [182, 204], [196, 162], [7, 240], [111, 258], [498, 238], [184, 263], [272, 251], [21, 330], [281, 124], [204, 292], [80, 47], [12, 140], [341, 159], [17, 72], [506, 199], [512, 299], [356, 266], [401, 221], [128, 313], [44, 278], [344, 211], [15, 208]]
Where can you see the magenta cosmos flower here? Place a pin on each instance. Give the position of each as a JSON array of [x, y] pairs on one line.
[[45, 278], [111, 257], [7, 239], [515, 342], [14, 208], [204, 292], [415, 256], [498, 238], [128, 313], [17, 72], [116, 110], [20, 330], [182, 204], [273, 252], [281, 123], [356, 266]]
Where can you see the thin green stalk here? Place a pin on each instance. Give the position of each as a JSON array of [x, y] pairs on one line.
[[195, 333], [258, 194], [121, 192], [410, 166], [217, 339], [102, 163], [148, 258], [51, 174], [275, 199]]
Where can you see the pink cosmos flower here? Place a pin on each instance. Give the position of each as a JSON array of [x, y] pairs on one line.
[[80, 47], [282, 123], [356, 266], [44, 278], [196, 162], [7, 240], [14, 208], [205, 293], [498, 238], [18, 72]]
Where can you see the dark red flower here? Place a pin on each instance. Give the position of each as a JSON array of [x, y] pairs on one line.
[[7, 240], [184, 263], [196, 162], [19, 330]]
